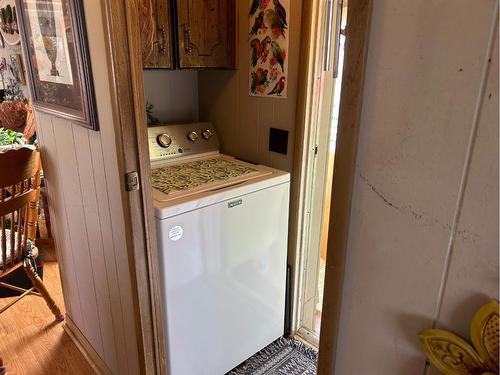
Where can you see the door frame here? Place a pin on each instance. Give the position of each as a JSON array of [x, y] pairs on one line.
[[316, 162], [307, 114], [356, 51], [121, 23], [126, 80], [351, 102]]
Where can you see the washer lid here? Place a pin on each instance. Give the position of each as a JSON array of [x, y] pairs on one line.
[[199, 175]]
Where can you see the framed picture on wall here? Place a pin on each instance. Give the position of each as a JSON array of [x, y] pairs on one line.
[[9, 27], [17, 68], [57, 59]]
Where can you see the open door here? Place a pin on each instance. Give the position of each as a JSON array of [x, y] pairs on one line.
[[319, 167], [312, 182]]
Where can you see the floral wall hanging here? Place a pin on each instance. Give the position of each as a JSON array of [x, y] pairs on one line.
[[268, 42]]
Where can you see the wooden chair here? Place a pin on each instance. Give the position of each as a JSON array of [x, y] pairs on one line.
[[20, 173]]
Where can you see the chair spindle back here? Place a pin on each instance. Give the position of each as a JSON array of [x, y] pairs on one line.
[[20, 174]]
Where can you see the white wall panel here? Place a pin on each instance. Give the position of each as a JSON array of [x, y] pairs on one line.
[[81, 169], [473, 274], [423, 76]]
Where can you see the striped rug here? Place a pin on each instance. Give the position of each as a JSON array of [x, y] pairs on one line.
[[284, 356]]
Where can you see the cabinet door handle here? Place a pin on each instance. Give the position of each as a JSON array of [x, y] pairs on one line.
[[187, 40], [163, 45]]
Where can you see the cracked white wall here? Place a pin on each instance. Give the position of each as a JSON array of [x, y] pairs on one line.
[[424, 73]]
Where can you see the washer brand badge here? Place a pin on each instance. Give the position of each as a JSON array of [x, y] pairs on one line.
[[175, 233], [235, 203]]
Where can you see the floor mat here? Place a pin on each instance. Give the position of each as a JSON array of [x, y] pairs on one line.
[[284, 356]]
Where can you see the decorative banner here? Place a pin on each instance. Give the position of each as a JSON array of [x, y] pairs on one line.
[[269, 30]]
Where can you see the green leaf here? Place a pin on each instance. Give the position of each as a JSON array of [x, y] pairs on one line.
[[10, 137]]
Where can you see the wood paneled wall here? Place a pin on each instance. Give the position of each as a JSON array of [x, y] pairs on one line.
[[242, 121], [406, 266], [81, 169]]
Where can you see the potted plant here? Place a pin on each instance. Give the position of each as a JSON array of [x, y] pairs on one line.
[[10, 139], [16, 113]]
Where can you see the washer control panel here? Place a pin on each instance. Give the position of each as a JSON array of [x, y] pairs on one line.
[[168, 141]]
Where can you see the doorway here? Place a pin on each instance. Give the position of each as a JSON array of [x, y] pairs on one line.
[[322, 193], [320, 167], [351, 91]]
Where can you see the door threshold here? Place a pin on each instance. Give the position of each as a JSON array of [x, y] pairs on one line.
[[308, 337]]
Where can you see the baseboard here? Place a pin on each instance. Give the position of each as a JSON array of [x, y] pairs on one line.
[[85, 348], [308, 337]]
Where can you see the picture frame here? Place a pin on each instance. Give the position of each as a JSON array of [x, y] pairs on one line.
[[57, 59], [9, 26], [17, 69]]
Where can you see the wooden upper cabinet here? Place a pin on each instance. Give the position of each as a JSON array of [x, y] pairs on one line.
[[156, 33], [206, 31]]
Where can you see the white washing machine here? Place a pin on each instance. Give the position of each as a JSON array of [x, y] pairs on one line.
[[222, 225]]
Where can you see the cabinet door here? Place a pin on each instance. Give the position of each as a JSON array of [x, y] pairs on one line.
[[147, 28], [207, 33], [156, 33]]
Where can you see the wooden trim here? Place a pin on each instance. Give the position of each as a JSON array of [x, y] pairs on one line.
[[315, 170], [306, 86], [356, 51], [124, 51], [85, 347], [314, 96], [306, 335]]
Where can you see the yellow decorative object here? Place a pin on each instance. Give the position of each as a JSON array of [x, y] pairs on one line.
[[454, 356]]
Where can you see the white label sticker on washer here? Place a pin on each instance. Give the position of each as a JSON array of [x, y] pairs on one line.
[[175, 233]]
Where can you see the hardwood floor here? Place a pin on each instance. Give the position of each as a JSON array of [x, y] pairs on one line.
[[31, 343]]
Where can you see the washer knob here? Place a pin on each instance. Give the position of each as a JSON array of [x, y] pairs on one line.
[[206, 134], [192, 136], [164, 140]]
